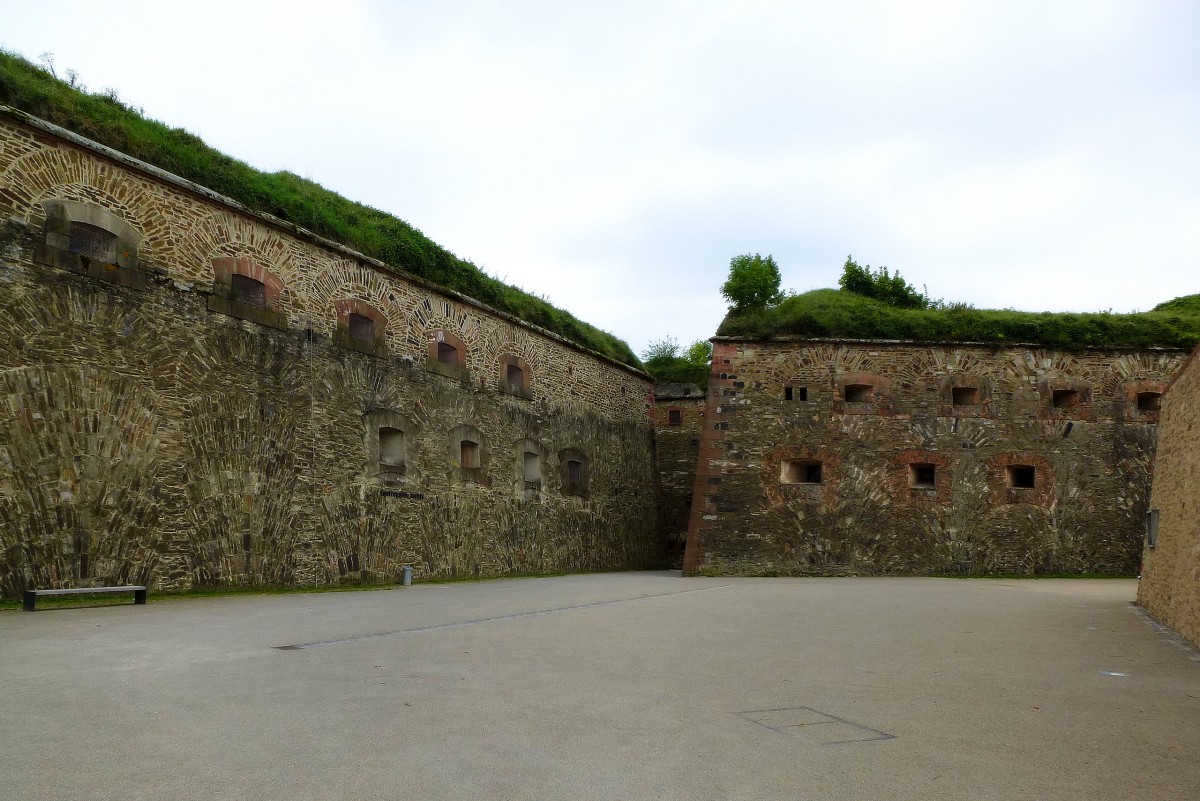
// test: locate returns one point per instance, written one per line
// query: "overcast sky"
(614, 156)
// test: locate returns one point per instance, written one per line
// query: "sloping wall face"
(679, 414)
(833, 458)
(1170, 585)
(192, 396)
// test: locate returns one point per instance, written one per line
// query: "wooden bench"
(139, 593)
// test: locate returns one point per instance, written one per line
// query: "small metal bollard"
(407, 580)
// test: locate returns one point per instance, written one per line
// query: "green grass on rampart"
(841, 314)
(105, 119)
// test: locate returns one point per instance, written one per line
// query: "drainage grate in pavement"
(814, 726)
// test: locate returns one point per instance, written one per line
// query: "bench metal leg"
(30, 600)
(139, 596)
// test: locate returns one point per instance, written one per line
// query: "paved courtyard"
(620, 686)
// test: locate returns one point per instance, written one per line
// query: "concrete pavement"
(613, 686)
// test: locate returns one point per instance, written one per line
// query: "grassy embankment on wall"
(105, 119)
(844, 314)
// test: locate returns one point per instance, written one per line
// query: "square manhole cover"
(814, 726)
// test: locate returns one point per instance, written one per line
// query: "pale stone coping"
(160, 174)
(909, 343)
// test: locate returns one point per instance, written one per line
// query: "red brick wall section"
(778, 492)
(723, 385)
(999, 493)
(905, 493)
(1134, 388)
(983, 409)
(1081, 407)
(879, 403)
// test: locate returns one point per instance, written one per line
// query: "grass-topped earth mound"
(105, 119)
(841, 313)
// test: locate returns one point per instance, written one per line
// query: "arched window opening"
(1065, 398)
(248, 290)
(391, 447)
(390, 437)
(93, 242)
(90, 240)
(859, 393)
(531, 464)
(515, 377)
(361, 326)
(469, 455)
(964, 396)
(574, 473)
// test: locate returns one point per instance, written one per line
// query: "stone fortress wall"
(194, 395)
(1170, 585)
(852, 457)
(678, 417)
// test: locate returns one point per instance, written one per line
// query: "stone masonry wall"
(1170, 585)
(156, 429)
(679, 416)
(896, 458)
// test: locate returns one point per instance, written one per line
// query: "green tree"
(661, 349)
(664, 361)
(699, 353)
(882, 286)
(753, 283)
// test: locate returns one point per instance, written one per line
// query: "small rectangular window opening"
(574, 478)
(787, 393)
(1149, 401)
(391, 447)
(674, 417)
(922, 476)
(859, 393)
(515, 377)
(1065, 398)
(1152, 528)
(532, 467)
(1021, 476)
(361, 326)
(93, 242)
(469, 454)
(800, 471)
(802, 393)
(447, 354)
(248, 291)
(965, 396)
